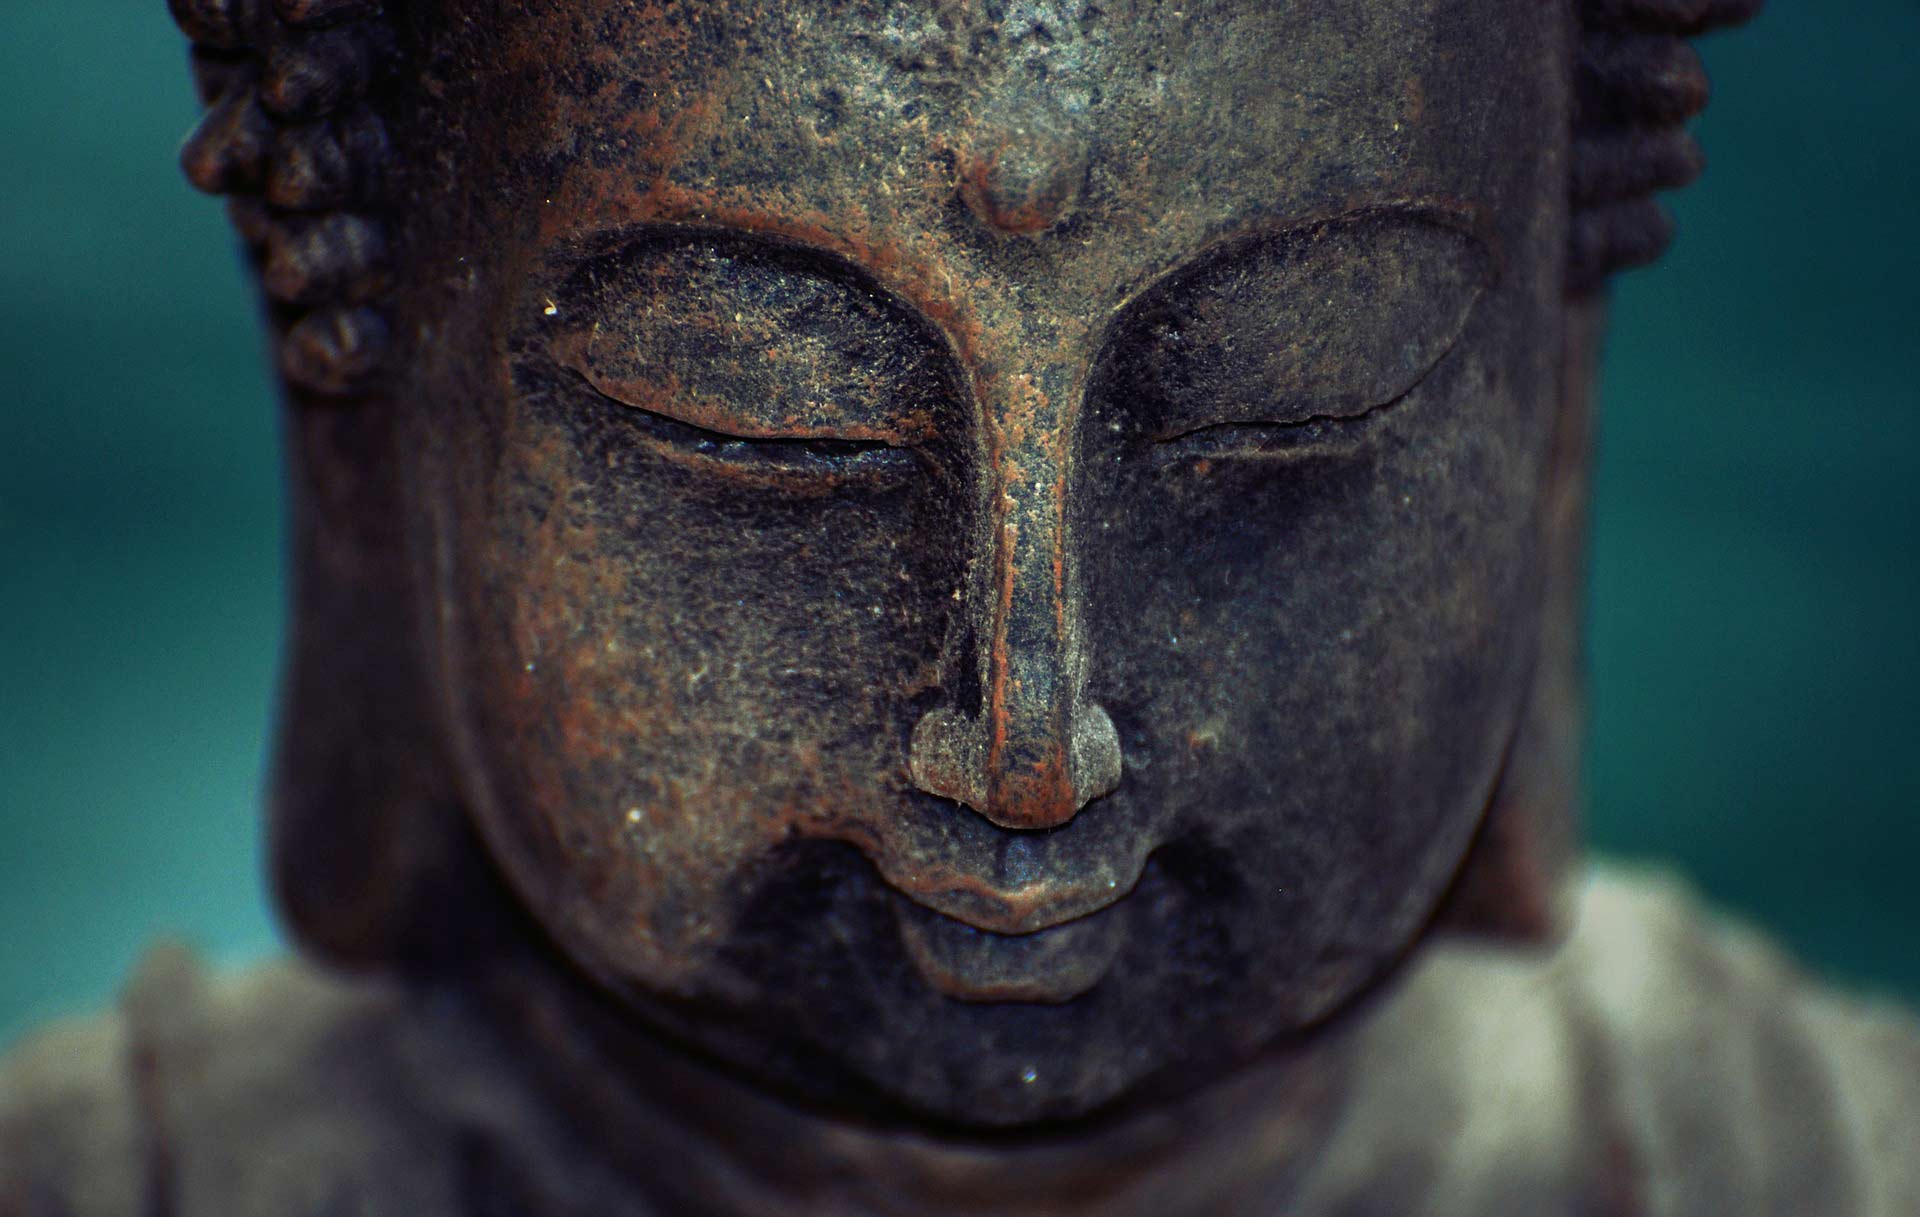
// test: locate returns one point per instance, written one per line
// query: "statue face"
(986, 560)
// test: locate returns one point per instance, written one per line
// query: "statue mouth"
(1051, 965)
(1020, 935)
(1025, 894)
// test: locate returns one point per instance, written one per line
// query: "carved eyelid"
(1325, 323)
(752, 340)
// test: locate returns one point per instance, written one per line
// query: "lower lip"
(1048, 966)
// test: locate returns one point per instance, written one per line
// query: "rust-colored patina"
(979, 564)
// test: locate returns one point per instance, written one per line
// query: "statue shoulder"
(69, 1136)
(268, 1091)
(1663, 1062)
(1739, 1083)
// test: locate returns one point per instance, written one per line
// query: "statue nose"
(1030, 765)
(1036, 750)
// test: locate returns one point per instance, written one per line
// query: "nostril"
(1095, 755)
(947, 757)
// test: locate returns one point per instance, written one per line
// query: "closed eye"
(1299, 344)
(720, 350)
(676, 437)
(1317, 435)
(1320, 435)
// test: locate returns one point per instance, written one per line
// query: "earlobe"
(1513, 884)
(370, 854)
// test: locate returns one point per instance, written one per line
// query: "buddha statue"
(950, 607)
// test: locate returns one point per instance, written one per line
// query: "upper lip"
(977, 901)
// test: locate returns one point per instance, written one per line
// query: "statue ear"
(372, 860)
(1513, 882)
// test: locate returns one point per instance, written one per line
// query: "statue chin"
(834, 990)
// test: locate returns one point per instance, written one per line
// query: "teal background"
(1754, 648)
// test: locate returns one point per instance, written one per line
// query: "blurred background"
(1755, 663)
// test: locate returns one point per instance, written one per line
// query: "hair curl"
(294, 136)
(1636, 83)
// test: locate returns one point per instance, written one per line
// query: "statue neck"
(668, 1133)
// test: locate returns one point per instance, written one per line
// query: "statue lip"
(978, 903)
(1049, 966)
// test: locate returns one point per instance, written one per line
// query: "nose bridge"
(1029, 618)
(1037, 751)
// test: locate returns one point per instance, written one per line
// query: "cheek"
(1320, 664)
(574, 707)
(663, 674)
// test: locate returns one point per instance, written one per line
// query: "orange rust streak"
(1020, 414)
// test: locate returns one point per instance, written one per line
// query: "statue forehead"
(855, 127)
